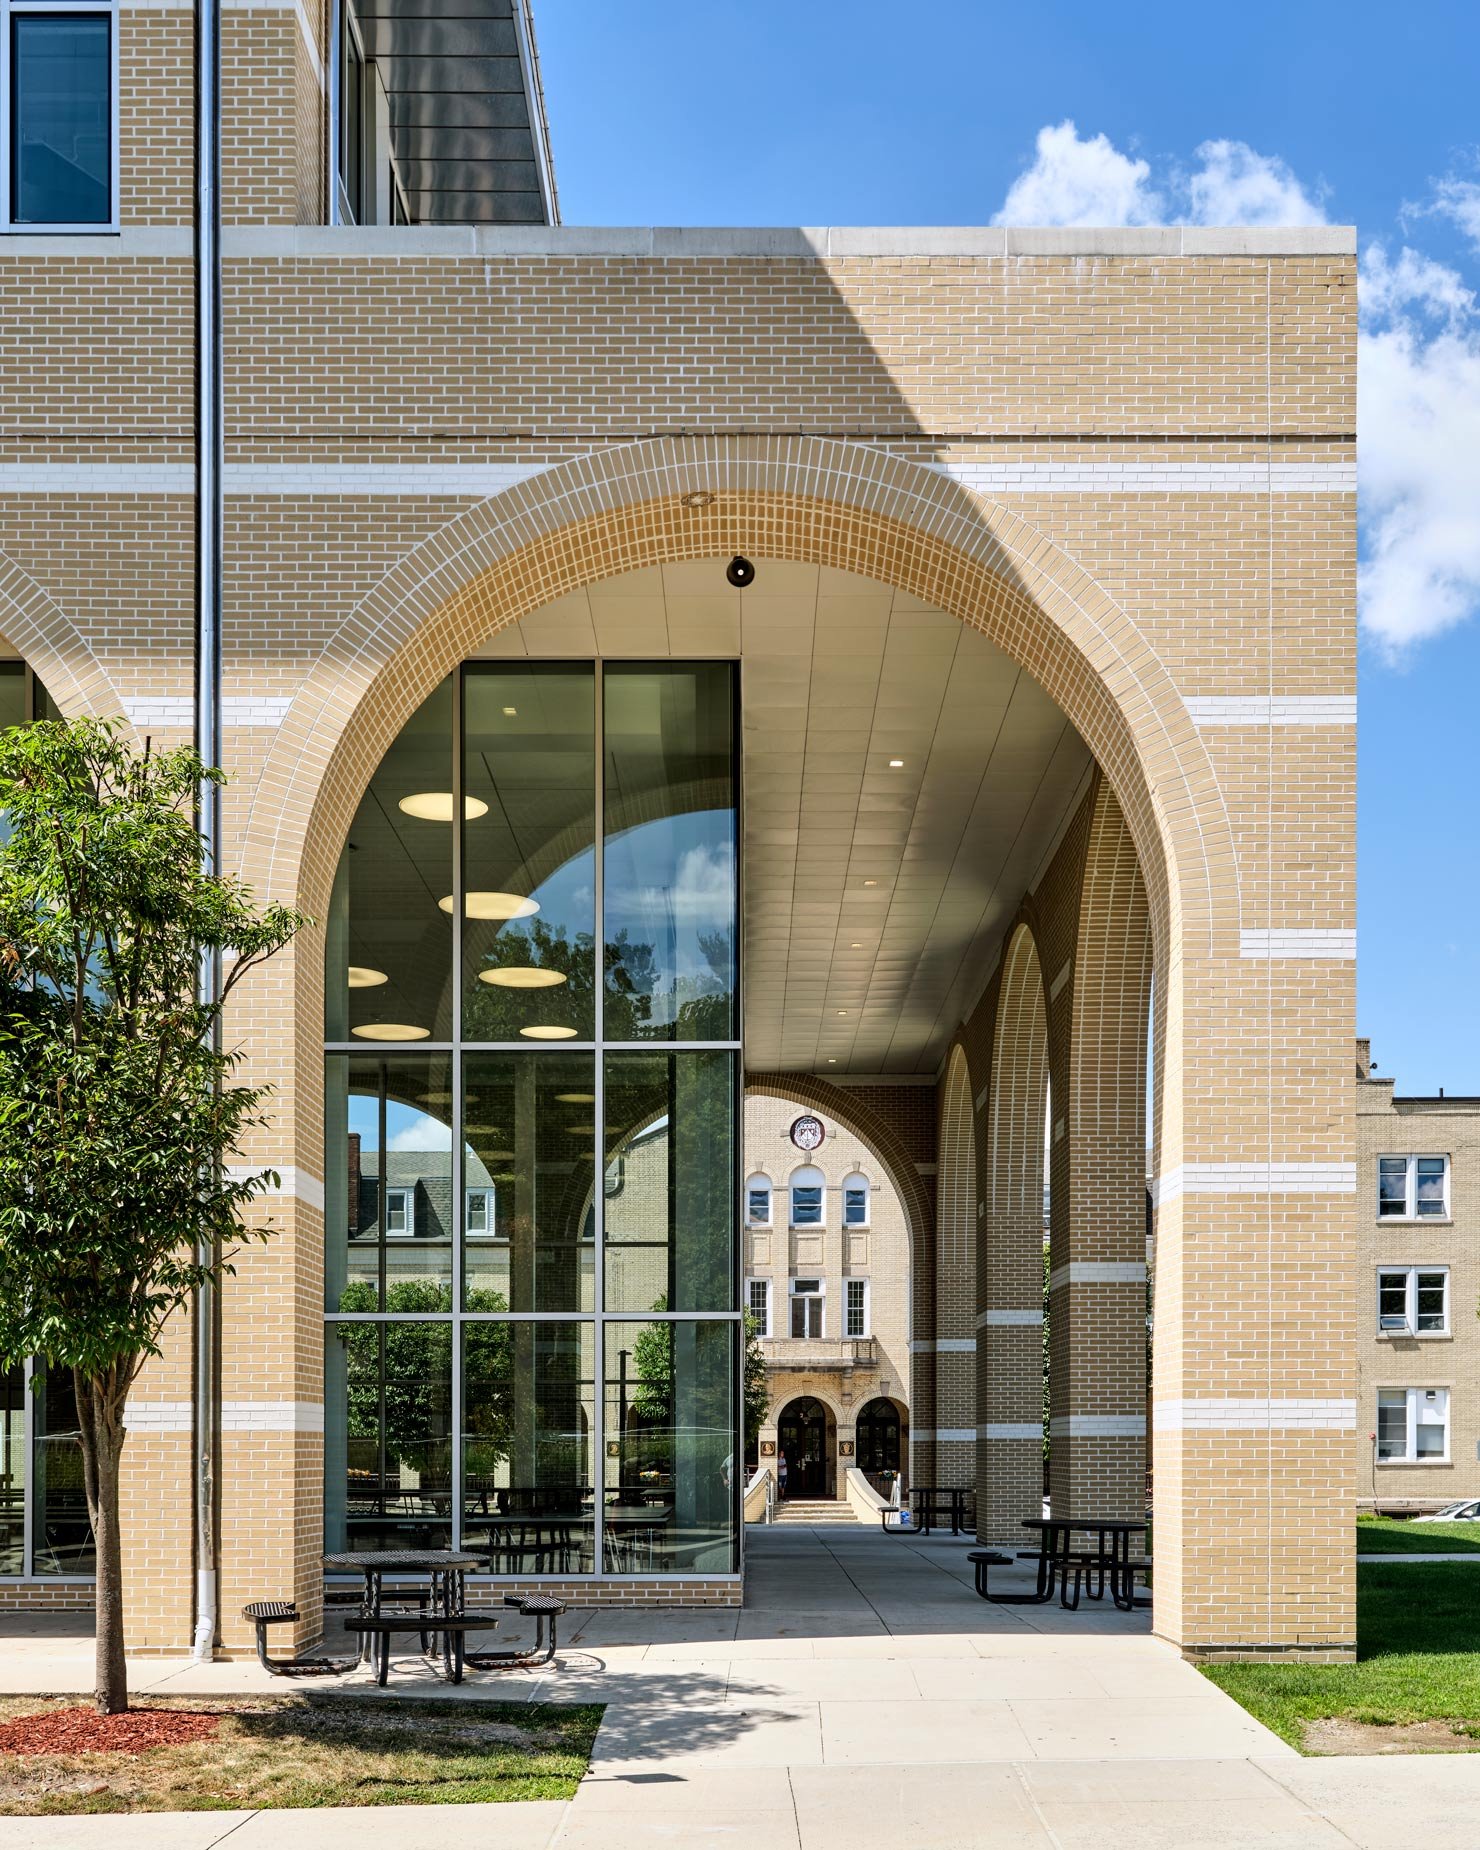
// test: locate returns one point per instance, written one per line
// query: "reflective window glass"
(61, 118)
(1429, 1290)
(1392, 1300)
(13, 1470)
(529, 830)
(1430, 1191)
(671, 1464)
(388, 1435)
(1392, 1423)
(63, 1541)
(670, 1181)
(529, 1137)
(388, 942)
(528, 1425)
(670, 854)
(1392, 1185)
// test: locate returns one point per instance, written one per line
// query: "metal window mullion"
(598, 998)
(7, 120)
(458, 1209)
(28, 1491)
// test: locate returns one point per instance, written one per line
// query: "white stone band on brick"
(964, 1435)
(1098, 1426)
(1273, 709)
(1011, 1429)
(1098, 1272)
(264, 710)
(1007, 1319)
(299, 1183)
(176, 712)
(272, 1416)
(1254, 1415)
(97, 479)
(1255, 1179)
(471, 481)
(945, 1345)
(158, 1416)
(1149, 478)
(1298, 942)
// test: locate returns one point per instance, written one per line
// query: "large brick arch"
(812, 500)
(53, 647)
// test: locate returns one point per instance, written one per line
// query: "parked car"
(1469, 1511)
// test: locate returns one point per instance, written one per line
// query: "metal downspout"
(208, 519)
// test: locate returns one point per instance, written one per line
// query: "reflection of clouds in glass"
(421, 1133)
(702, 893)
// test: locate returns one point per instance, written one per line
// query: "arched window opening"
(808, 1198)
(758, 1201)
(856, 1201)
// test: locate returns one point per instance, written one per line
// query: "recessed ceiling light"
(842, 1011)
(522, 976)
(546, 1033)
(575, 1098)
(511, 712)
(896, 764)
(436, 806)
(390, 1031)
(831, 1061)
(361, 976)
(581, 1130)
(494, 906)
(866, 883)
(856, 945)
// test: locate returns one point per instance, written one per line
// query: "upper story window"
(855, 1201)
(1413, 1300)
(400, 1213)
(808, 1307)
(1412, 1426)
(856, 1311)
(58, 81)
(808, 1193)
(758, 1201)
(1413, 1188)
(479, 1219)
(758, 1303)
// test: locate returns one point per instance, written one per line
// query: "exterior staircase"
(814, 1509)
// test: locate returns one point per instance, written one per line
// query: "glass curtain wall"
(533, 1088)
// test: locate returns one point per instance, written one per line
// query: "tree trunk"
(100, 1402)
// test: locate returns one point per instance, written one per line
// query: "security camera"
(740, 572)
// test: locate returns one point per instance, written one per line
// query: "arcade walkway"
(863, 1695)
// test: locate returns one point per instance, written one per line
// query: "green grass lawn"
(1381, 1535)
(1418, 1647)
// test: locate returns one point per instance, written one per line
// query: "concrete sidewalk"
(863, 1695)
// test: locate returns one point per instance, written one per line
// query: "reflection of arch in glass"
(807, 1188)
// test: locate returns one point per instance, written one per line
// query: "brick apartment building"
(1040, 689)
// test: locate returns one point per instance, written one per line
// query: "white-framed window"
(808, 1307)
(1413, 1300)
(480, 1219)
(758, 1303)
(59, 113)
(1413, 1426)
(808, 1198)
(856, 1309)
(1413, 1188)
(758, 1201)
(855, 1201)
(400, 1213)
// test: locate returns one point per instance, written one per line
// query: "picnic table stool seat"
(981, 1560)
(265, 1612)
(545, 1609)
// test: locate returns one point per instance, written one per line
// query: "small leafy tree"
(117, 1115)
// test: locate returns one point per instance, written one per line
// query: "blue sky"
(851, 112)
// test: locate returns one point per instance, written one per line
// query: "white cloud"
(422, 1135)
(1075, 181)
(1418, 379)
(1237, 186)
(1458, 201)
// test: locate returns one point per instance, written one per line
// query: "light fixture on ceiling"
(547, 1033)
(575, 1098)
(856, 945)
(361, 976)
(494, 906)
(436, 806)
(522, 976)
(842, 1011)
(581, 1130)
(390, 1031)
(831, 1061)
(870, 883)
(896, 764)
(698, 497)
(511, 712)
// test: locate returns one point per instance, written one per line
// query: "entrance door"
(802, 1434)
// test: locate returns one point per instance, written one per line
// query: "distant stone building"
(1418, 1287)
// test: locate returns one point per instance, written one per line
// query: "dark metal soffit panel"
(467, 119)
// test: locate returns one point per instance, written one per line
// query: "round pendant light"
(522, 976)
(436, 806)
(361, 976)
(548, 1034)
(494, 906)
(390, 1031)
(575, 1098)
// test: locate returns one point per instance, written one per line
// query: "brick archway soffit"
(53, 647)
(1016, 1103)
(815, 500)
(871, 1130)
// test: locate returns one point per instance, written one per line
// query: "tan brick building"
(1418, 1290)
(1044, 712)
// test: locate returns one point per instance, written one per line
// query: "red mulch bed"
(83, 1731)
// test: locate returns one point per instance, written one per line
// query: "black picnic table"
(1109, 1562)
(445, 1568)
(936, 1500)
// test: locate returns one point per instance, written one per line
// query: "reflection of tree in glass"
(417, 1385)
(494, 1013)
(631, 978)
(653, 1389)
(645, 1001)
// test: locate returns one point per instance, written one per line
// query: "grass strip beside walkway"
(1418, 1649)
(308, 1750)
(1381, 1535)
